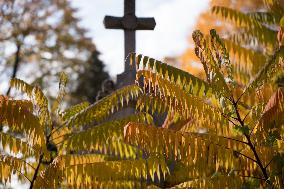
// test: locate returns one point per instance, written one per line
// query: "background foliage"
(39, 39)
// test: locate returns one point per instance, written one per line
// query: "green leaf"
(281, 23)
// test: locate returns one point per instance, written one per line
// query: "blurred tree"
(43, 37)
(207, 20)
(256, 38)
(90, 80)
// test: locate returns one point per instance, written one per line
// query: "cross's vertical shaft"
(129, 23)
(129, 34)
(129, 47)
(129, 7)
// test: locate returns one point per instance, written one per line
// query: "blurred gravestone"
(129, 23)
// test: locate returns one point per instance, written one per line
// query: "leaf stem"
(246, 156)
(251, 177)
(269, 163)
(235, 140)
(23, 175)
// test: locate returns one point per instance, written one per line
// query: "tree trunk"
(16, 65)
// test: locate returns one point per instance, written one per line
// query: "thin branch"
(240, 97)
(225, 116)
(246, 156)
(269, 163)
(36, 171)
(246, 116)
(23, 175)
(234, 118)
(204, 134)
(235, 140)
(229, 98)
(200, 135)
(15, 66)
(252, 147)
(27, 163)
(252, 177)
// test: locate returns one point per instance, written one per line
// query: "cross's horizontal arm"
(112, 22)
(146, 24)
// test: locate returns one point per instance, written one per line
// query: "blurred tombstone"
(129, 23)
(108, 87)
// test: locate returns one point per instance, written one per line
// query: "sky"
(175, 21)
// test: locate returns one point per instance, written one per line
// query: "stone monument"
(129, 23)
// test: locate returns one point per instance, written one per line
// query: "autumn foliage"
(223, 129)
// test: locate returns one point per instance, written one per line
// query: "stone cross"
(129, 23)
